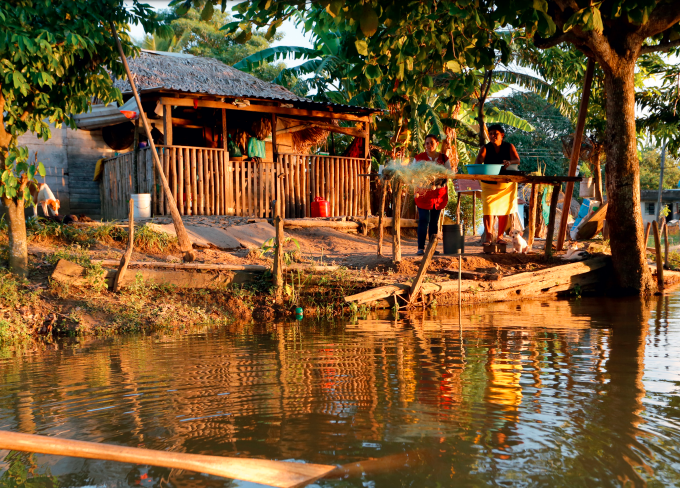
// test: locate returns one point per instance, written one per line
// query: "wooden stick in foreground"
(425, 263)
(125, 260)
(659, 263)
(273, 473)
(182, 236)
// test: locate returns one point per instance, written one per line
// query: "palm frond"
(493, 114)
(270, 54)
(538, 86)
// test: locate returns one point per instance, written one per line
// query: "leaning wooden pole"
(649, 226)
(182, 236)
(424, 264)
(381, 217)
(659, 259)
(278, 248)
(125, 260)
(576, 150)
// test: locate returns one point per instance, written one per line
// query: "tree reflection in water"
(556, 393)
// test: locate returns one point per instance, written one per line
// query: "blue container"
(484, 169)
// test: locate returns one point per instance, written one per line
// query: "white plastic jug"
(142, 205)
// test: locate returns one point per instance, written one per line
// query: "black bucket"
(454, 242)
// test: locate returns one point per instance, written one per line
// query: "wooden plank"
(125, 260)
(273, 473)
(422, 270)
(531, 284)
(180, 182)
(225, 138)
(532, 216)
(576, 149)
(201, 182)
(254, 268)
(260, 189)
(551, 220)
(367, 189)
(244, 205)
(194, 189)
(278, 250)
(189, 102)
(167, 125)
(659, 263)
(174, 164)
(298, 186)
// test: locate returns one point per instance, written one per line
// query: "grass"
(19, 308)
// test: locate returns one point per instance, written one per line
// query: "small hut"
(229, 143)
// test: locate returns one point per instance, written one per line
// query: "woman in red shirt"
(433, 199)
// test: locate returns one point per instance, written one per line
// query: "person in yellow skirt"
(498, 199)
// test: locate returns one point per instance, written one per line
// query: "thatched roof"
(194, 74)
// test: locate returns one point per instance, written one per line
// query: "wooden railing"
(335, 179)
(205, 182)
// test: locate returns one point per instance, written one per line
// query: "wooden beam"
(294, 128)
(187, 102)
(576, 150)
(167, 125)
(531, 225)
(224, 130)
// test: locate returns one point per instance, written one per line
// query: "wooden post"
(278, 248)
(649, 226)
(474, 214)
(531, 225)
(551, 220)
(665, 244)
(125, 260)
(225, 135)
(135, 158)
(194, 188)
(396, 225)
(424, 264)
(381, 217)
(659, 262)
(576, 150)
(458, 209)
(182, 236)
(167, 124)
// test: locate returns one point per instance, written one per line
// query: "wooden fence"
(205, 182)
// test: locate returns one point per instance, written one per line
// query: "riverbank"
(324, 267)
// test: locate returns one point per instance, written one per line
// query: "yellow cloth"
(98, 170)
(499, 199)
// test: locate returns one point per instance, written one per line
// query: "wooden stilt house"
(202, 108)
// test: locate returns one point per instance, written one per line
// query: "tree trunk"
(624, 215)
(597, 173)
(18, 248)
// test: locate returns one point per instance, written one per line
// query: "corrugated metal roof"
(194, 74)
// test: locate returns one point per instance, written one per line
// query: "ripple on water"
(556, 393)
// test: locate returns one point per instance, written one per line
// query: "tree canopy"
(192, 34)
(54, 58)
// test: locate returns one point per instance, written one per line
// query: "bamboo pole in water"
(273, 473)
(659, 263)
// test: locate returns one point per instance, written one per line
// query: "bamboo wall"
(205, 182)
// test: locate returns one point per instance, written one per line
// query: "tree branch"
(659, 47)
(661, 18)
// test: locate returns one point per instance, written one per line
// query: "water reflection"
(556, 393)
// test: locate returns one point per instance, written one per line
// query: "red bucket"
(320, 208)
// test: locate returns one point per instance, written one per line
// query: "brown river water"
(582, 392)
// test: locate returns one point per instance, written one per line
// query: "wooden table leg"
(532, 216)
(458, 209)
(474, 213)
(551, 220)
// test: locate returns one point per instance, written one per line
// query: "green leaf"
(454, 66)
(373, 72)
(41, 170)
(362, 47)
(243, 37)
(334, 7)
(369, 20)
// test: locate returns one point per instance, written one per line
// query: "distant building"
(648, 202)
